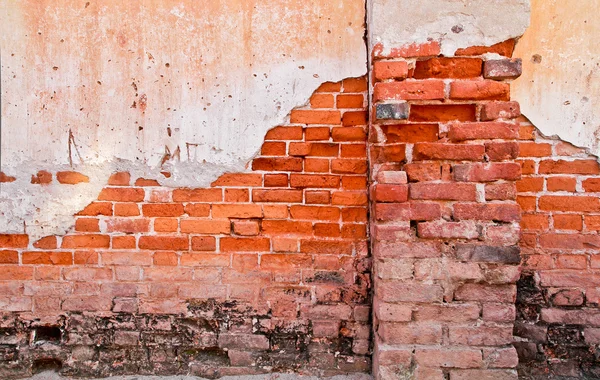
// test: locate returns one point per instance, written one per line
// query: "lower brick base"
(211, 340)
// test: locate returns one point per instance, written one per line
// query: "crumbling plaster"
(454, 23)
(559, 90)
(187, 86)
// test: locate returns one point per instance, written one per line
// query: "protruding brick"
(500, 69)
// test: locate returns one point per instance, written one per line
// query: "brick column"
(444, 221)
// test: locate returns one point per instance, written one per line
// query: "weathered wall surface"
(560, 87)
(193, 84)
(455, 24)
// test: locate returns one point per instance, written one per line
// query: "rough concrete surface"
(190, 87)
(456, 24)
(559, 90)
(49, 375)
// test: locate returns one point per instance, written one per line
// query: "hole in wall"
(43, 365)
(47, 334)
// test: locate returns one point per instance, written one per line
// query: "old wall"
(261, 271)
(103, 86)
(560, 84)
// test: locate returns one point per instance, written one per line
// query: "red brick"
(317, 197)
(530, 184)
(503, 212)
(412, 211)
(87, 274)
(443, 67)
(348, 166)
(322, 101)
(500, 110)
(354, 182)
(527, 203)
(197, 195)
(123, 242)
(390, 193)
(276, 180)
(500, 191)
(327, 230)
(284, 133)
(166, 225)
(535, 222)
(501, 151)
(355, 84)
(349, 198)
(14, 240)
(315, 213)
(246, 227)
(569, 167)
(350, 101)
(87, 225)
(71, 178)
(286, 227)
(231, 244)
(410, 132)
(237, 195)
(561, 184)
(205, 260)
(197, 209)
(121, 194)
(4, 178)
(86, 241)
(444, 191)
(317, 133)
(411, 333)
(314, 181)
(502, 69)
(237, 211)
(9, 257)
(388, 153)
(126, 209)
(284, 196)
(164, 243)
(390, 70)
(315, 117)
(241, 179)
(162, 209)
(96, 209)
(204, 243)
(326, 247)
(292, 164)
(433, 151)
(479, 90)
(41, 178)
(483, 130)
(314, 149)
(569, 203)
(504, 48)
(119, 179)
(489, 172)
(127, 225)
(568, 222)
(442, 112)
(146, 182)
(285, 261)
(354, 118)
(423, 172)
(486, 293)
(127, 258)
(316, 165)
(200, 226)
(273, 149)
(47, 242)
(348, 134)
(431, 89)
(353, 151)
(448, 230)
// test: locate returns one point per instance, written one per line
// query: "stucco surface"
(455, 23)
(185, 86)
(559, 90)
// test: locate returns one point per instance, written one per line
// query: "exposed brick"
(390, 70)
(504, 48)
(479, 90)
(71, 178)
(409, 90)
(500, 69)
(442, 112)
(315, 117)
(443, 191)
(410, 132)
(42, 177)
(500, 110)
(569, 167)
(487, 172)
(433, 151)
(446, 67)
(487, 130)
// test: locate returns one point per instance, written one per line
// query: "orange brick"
(241, 179)
(246, 227)
(237, 195)
(199, 226)
(317, 133)
(126, 209)
(96, 209)
(119, 179)
(197, 209)
(86, 241)
(47, 258)
(273, 149)
(162, 209)
(561, 184)
(164, 243)
(276, 180)
(285, 196)
(71, 178)
(354, 84)
(48, 242)
(9, 257)
(165, 258)
(121, 194)
(87, 225)
(231, 244)
(204, 243)
(197, 195)
(315, 213)
(166, 225)
(285, 261)
(322, 101)
(350, 101)
(567, 222)
(123, 242)
(315, 117)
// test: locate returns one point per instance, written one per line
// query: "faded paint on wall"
(195, 83)
(455, 23)
(559, 90)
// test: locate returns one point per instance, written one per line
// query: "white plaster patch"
(455, 23)
(559, 90)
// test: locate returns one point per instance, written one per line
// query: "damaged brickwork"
(445, 231)
(558, 322)
(267, 270)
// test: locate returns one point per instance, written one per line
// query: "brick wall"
(266, 270)
(558, 327)
(445, 230)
